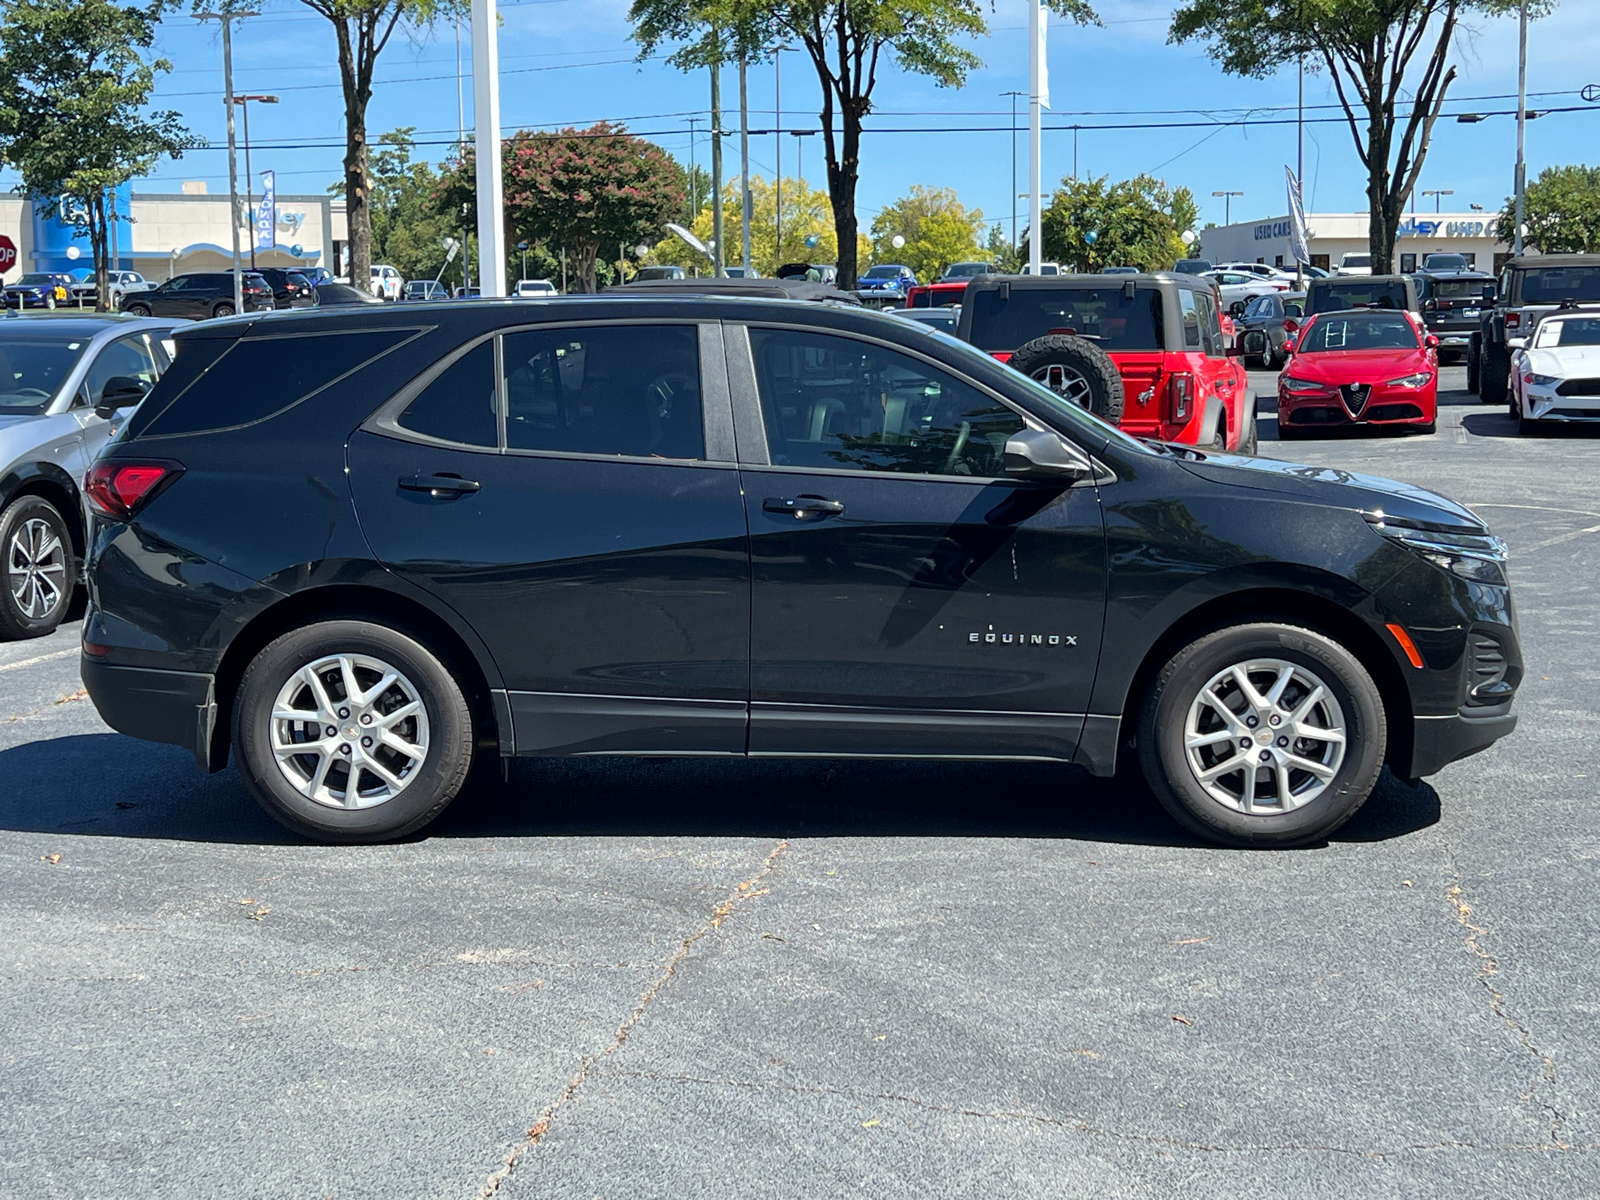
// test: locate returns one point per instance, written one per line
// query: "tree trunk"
(843, 174)
(97, 248)
(1382, 226)
(357, 198)
(583, 256)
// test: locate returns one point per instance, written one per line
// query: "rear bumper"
(1439, 741)
(174, 707)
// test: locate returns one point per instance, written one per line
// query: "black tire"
(139, 310)
(29, 528)
(1250, 444)
(421, 797)
(1103, 385)
(1528, 428)
(223, 310)
(1473, 364)
(50, 302)
(1165, 714)
(1494, 374)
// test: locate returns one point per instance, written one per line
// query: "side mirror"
(1040, 454)
(1237, 308)
(1431, 342)
(121, 391)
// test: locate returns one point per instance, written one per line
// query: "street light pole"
(1522, 123)
(249, 177)
(227, 19)
(1436, 193)
(716, 163)
(1227, 205)
(744, 164)
(1014, 94)
(486, 122)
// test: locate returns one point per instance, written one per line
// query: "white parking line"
(28, 662)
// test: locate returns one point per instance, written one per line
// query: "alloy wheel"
(36, 569)
(1065, 382)
(1265, 737)
(349, 731)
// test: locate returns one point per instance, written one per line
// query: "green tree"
(806, 213)
(1381, 55)
(74, 86)
(1135, 223)
(846, 40)
(1561, 210)
(1002, 253)
(588, 191)
(937, 230)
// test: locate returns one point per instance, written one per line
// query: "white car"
(1045, 268)
(534, 287)
(1555, 373)
(118, 283)
(1241, 287)
(1270, 273)
(387, 283)
(1354, 264)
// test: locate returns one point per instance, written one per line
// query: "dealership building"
(1331, 236)
(162, 235)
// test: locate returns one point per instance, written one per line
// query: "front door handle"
(801, 507)
(438, 486)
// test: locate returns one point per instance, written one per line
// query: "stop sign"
(8, 254)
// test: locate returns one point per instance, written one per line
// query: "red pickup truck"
(1143, 352)
(936, 295)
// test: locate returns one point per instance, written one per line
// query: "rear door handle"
(438, 486)
(801, 507)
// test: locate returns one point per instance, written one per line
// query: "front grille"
(1316, 416)
(1393, 412)
(1579, 387)
(1575, 414)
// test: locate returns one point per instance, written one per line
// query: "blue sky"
(571, 62)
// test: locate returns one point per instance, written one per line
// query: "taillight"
(120, 487)
(1513, 320)
(1180, 398)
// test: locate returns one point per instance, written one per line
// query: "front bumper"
(1545, 404)
(1439, 741)
(175, 707)
(1327, 412)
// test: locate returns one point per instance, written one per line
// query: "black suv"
(1339, 292)
(358, 548)
(1529, 287)
(290, 289)
(199, 295)
(1451, 305)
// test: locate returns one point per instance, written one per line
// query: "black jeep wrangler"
(1529, 287)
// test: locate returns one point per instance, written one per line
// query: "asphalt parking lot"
(677, 978)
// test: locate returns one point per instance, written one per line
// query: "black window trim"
(752, 426)
(715, 419)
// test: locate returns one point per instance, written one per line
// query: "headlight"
(1420, 379)
(1292, 384)
(1480, 557)
(1541, 380)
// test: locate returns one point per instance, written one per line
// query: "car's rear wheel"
(139, 310)
(350, 732)
(223, 310)
(38, 568)
(1249, 444)
(1262, 735)
(1473, 364)
(1076, 370)
(1494, 374)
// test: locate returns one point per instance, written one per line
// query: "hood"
(1339, 489)
(1567, 356)
(1357, 366)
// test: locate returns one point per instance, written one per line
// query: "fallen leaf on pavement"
(870, 1124)
(1191, 941)
(52, 859)
(260, 914)
(1181, 1020)
(772, 937)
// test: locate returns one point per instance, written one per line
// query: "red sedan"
(1366, 367)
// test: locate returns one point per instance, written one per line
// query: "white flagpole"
(486, 127)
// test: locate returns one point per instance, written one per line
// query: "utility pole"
(486, 122)
(249, 196)
(744, 165)
(1015, 241)
(461, 152)
(227, 19)
(1038, 99)
(716, 163)
(694, 191)
(777, 141)
(1522, 124)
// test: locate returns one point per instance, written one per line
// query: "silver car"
(66, 385)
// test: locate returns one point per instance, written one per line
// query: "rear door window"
(1106, 316)
(631, 390)
(836, 402)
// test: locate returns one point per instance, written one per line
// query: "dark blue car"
(887, 279)
(39, 290)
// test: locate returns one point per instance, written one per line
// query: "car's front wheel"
(1262, 735)
(139, 310)
(1473, 364)
(38, 568)
(347, 731)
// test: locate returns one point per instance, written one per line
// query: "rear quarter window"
(252, 379)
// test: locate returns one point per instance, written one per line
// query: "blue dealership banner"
(267, 214)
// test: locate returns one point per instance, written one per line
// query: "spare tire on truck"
(1075, 369)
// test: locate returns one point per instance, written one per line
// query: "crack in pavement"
(1487, 968)
(1080, 1125)
(536, 1132)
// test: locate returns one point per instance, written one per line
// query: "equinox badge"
(1022, 639)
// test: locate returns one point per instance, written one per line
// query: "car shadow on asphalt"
(107, 785)
(1497, 422)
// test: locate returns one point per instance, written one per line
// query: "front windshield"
(1358, 331)
(32, 369)
(966, 270)
(882, 273)
(1570, 331)
(1357, 260)
(1445, 262)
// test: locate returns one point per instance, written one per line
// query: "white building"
(1333, 235)
(162, 235)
